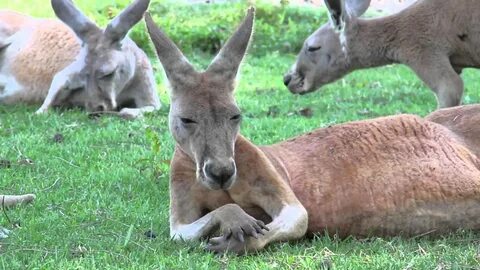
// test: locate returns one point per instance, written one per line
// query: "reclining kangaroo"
(76, 64)
(387, 176)
(435, 38)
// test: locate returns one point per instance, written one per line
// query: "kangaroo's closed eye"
(105, 75)
(187, 121)
(313, 48)
(236, 117)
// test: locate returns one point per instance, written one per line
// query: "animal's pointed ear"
(228, 60)
(175, 64)
(357, 7)
(337, 13)
(74, 18)
(118, 28)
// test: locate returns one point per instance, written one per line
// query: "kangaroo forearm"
(193, 231)
(290, 224)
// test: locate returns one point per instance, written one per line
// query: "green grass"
(106, 184)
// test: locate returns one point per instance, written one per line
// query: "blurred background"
(204, 24)
(379, 5)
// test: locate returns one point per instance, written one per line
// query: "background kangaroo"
(75, 63)
(387, 176)
(435, 38)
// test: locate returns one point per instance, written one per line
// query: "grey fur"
(435, 38)
(204, 118)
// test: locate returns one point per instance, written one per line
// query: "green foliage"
(205, 27)
(153, 163)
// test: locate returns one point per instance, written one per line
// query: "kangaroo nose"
(286, 79)
(100, 108)
(220, 173)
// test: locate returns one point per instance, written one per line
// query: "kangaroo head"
(323, 58)
(204, 117)
(107, 59)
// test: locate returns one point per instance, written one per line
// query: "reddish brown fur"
(464, 121)
(386, 176)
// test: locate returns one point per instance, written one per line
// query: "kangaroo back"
(464, 121)
(34, 53)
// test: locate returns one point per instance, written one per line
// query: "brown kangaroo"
(387, 176)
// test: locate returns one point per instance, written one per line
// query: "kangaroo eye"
(236, 117)
(187, 121)
(105, 74)
(313, 48)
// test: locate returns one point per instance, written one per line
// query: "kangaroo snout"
(101, 106)
(222, 173)
(286, 79)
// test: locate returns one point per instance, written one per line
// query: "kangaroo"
(387, 176)
(10, 23)
(435, 38)
(74, 63)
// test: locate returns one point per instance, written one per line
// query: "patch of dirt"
(5, 163)
(150, 234)
(273, 111)
(306, 112)
(58, 138)
(78, 251)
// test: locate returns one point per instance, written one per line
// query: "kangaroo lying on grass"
(76, 64)
(435, 38)
(386, 176)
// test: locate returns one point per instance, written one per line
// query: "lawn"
(102, 183)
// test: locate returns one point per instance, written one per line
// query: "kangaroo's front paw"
(235, 223)
(41, 111)
(242, 227)
(222, 244)
(130, 113)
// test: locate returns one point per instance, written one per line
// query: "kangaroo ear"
(176, 66)
(357, 7)
(337, 13)
(118, 28)
(74, 18)
(228, 60)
